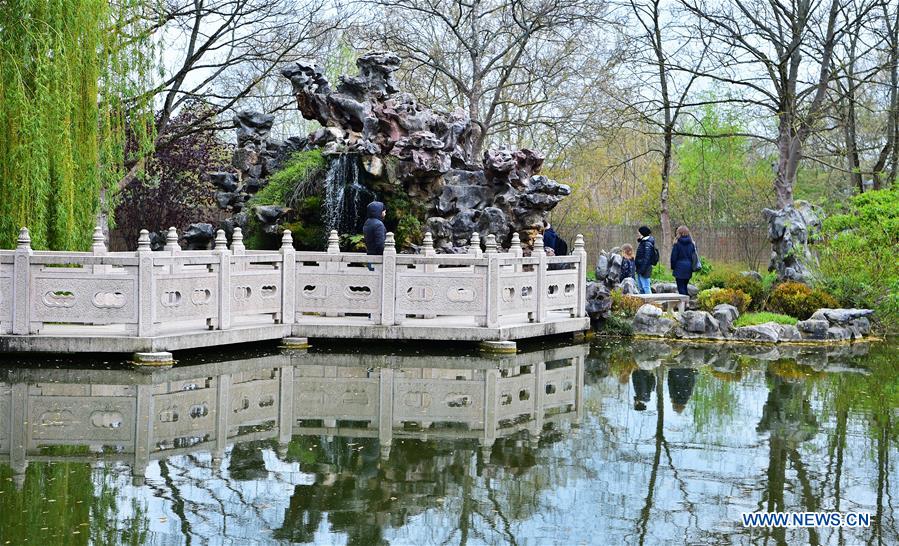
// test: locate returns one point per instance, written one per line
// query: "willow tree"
(67, 68)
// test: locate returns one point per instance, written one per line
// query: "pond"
(603, 443)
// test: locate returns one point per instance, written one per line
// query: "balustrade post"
(385, 410)
(21, 285)
(146, 298)
(144, 415)
(172, 247)
(516, 250)
(474, 246)
(333, 266)
(540, 253)
(388, 281)
(581, 252)
(98, 248)
(224, 279)
(288, 279)
(492, 283)
(427, 247)
(491, 378)
(222, 409)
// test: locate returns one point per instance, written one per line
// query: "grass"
(751, 319)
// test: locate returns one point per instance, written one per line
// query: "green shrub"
(857, 257)
(751, 319)
(615, 326)
(295, 181)
(750, 286)
(711, 297)
(661, 273)
(625, 305)
(798, 300)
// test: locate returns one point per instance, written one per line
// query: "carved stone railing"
(144, 293)
(142, 416)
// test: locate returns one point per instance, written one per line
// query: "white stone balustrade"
(145, 294)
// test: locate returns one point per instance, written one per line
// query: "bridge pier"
(160, 359)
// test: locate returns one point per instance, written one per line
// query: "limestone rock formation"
(368, 115)
(649, 321)
(791, 230)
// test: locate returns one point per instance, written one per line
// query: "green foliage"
(296, 181)
(661, 273)
(750, 286)
(406, 216)
(352, 243)
(798, 300)
(711, 297)
(751, 319)
(625, 305)
(66, 68)
(616, 325)
(857, 259)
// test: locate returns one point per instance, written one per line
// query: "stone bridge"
(174, 299)
(138, 417)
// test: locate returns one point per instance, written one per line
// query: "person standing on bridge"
(373, 230)
(684, 260)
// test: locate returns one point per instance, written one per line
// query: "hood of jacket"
(684, 242)
(648, 238)
(374, 209)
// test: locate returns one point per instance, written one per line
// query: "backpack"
(654, 259)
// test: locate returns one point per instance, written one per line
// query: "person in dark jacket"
(682, 253)
(550, 238)
(373, 230)
(627, 262)
(643, 263)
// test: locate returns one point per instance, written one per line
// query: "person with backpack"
(647, 257)
(684, 259)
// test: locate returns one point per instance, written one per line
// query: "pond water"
(609, 443)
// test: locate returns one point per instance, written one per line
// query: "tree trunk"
(849, 134)
(664, 217)
(789, 151)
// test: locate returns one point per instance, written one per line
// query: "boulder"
(790, 231)
(199, 236)
(599, 300)
(649, 321)
(671, 288)
(725, 314)
(629, 286)
(839, 333)
(763, 333)
(841, 316)
(813, 329)
(753, 274)
(786, 332)
(224, 180)
(699, 322)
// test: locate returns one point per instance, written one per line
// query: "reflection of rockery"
(345, 196)
(791, 230)
(367, 114)
(142, 417)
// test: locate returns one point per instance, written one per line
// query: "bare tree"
(777, 56)
(495, 58)
(224, 54)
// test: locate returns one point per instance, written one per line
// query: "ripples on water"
(615, 443)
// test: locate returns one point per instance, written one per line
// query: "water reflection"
(638, 443)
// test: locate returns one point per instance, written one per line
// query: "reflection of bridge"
(119, 414)
(103, 301)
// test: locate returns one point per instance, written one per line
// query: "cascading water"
(345, 196)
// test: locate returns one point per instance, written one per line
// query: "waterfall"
(345, 196)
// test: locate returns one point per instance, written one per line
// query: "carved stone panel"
(561, 289)
(81, 297)
(254, 292)
(186, 296)
(354, 399)
(440, 293)
(518, 293)
(445, 400)
(346, 291)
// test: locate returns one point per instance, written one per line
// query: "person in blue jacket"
(646, 252)
(682, 259)
(373, 229)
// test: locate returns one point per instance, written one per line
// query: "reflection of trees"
(59, 503)
(360, 493)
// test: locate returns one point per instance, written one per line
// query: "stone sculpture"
(790, 230)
